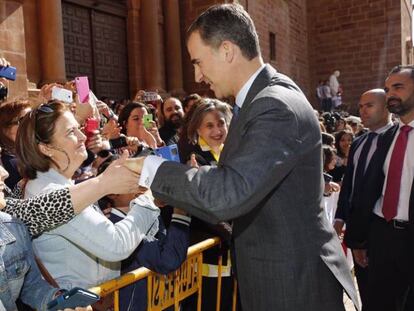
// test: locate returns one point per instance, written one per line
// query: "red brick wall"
(406, 35)
(287, 19)
(12, 44)
(361, 38)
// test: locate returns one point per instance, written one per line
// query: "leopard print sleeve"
(42, 212)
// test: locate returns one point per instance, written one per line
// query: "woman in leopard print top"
(47, 211)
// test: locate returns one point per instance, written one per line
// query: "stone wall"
(12, 44)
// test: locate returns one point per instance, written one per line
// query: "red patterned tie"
(392, 191)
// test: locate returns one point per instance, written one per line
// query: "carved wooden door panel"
(110, 55)
(78, 42)
(95, 46)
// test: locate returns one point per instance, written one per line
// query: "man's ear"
(228, 48)
(45, 150)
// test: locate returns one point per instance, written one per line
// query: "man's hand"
(118, 179)
(135, 164)
(360, 256)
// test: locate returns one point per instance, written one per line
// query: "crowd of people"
(275, 185)
(329, 93)
(47, 150)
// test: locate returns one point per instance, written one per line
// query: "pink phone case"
(82, 87)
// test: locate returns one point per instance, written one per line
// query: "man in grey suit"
(269, 177)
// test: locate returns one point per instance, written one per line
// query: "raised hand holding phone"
(91, 128)
(147, 120)
(82, 88)
(8, 72)
(62, 95)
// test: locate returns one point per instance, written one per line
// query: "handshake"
(135, 164)
(125, 172)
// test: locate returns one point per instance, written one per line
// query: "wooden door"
(95, 46)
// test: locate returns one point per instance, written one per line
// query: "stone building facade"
(127, 45)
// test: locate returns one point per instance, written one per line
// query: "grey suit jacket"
(269, 182)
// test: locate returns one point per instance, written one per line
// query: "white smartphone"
(62, 95)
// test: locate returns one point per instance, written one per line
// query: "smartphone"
(62, 94)
(118, 142)
(169, 153)
(147, 119)
(151, 98)
(8, 72)
(327, 178)
(82, 87)
(76, 297)
(91, 125)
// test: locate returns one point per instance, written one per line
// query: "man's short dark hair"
(227, 22)
(399, 68)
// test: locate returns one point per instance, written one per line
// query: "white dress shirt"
(406, 177)
(152, 163)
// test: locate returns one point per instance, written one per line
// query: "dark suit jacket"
(344, 200)
(361, 214)
(269, 181)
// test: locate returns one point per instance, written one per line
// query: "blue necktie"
(362, 161)
(236, 110)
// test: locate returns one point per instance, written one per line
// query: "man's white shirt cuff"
(149, 169)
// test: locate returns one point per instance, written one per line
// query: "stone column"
(173, 56)
(152, 47)
(134, 51)
(51, 48)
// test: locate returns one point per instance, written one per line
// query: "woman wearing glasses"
(41, 213)
(50, 147)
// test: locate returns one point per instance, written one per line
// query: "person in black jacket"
(376, 117)
(206, 131)
(380, 224)
(162, 251)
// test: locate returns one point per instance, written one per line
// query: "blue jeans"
(19, 274)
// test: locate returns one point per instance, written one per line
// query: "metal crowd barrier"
(164, 291)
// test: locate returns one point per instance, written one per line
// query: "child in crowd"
(161, 251)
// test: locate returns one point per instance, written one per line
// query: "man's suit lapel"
(261, 81)
(385, 141)
(411, 205)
